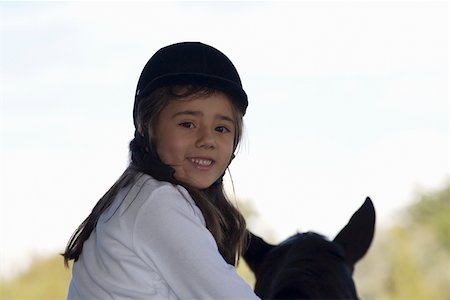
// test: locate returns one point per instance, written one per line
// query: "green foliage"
(411, 260)
(45, 279)
(407, 276)
(245, 272)
(433, 211)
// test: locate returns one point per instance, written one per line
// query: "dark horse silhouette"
(308, 266)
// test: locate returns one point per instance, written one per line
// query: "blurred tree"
(411, 260)
(433, 211)
(248, 210)
(46, 278)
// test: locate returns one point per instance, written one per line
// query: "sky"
(346, 100)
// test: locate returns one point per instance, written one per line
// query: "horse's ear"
(357, 235)
(256, 250)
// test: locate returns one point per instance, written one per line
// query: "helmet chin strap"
(220, 179)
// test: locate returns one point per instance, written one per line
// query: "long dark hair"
(223, 220)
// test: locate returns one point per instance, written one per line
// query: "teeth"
(201, 162)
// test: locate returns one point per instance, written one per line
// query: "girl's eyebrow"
(199, 113)
(187, 112)
(225, 118)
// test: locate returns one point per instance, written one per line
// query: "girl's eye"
(222, 129)
(187, 125)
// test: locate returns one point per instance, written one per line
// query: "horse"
(308, 265)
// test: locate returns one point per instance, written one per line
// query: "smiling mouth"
(201, 162)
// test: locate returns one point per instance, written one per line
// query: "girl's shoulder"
(146, 192)
(145, 186)
(149, 191)
(160, 201)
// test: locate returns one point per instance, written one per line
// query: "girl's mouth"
(202, 162)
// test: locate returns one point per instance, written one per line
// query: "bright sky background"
(347, 99)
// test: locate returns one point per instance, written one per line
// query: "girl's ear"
(357, 235)
(256, 251)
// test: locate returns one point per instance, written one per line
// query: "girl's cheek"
(171, 153)
(163, 152)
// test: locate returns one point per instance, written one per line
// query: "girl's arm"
(170, 234)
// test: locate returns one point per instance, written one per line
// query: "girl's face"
(195, 137)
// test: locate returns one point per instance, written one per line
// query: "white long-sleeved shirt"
(152, 243)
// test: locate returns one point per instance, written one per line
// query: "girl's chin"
(198, 184)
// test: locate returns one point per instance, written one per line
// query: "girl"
(165, 229)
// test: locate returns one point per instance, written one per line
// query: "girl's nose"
(206, 139)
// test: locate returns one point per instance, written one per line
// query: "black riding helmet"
(191, 63)
(182, 63)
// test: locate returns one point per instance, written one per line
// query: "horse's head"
(308, 266)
